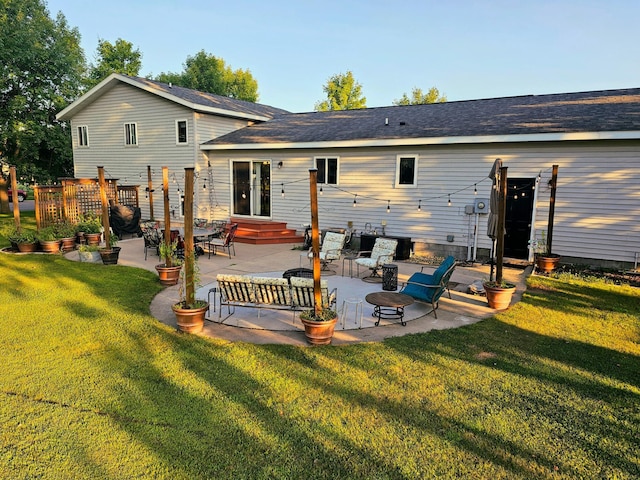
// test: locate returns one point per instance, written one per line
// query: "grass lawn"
(94, 387)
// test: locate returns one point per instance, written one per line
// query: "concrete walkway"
(462, 309)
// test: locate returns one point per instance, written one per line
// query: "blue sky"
(467, 49)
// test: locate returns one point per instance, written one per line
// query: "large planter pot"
(28, 247)
(92, 238)
(68, 244)
(50, 246)
(110, 256)
(499, 298)
(547, 263)
(168, 275)
(319, 333)
(189, 320)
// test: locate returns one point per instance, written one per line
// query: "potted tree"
(48, 239)
(546, 262)
(169, 271)
(110, 253)
(189, 311)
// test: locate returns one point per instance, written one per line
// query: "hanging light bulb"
(388, 206)
(419, 205)
(244, 195)
(282, 191)
(475, 189)
(354, 200)
(320, 189)
(449, 202)
(204, 185)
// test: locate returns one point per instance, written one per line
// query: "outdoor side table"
(389, 305)
(346, 304)
(389, 277)
(350, 259)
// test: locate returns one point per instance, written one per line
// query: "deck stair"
(263, 232)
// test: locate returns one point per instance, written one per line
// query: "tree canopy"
(419, 98)
(343, 93)
(208, 73)
(42, 66)
(114, 58)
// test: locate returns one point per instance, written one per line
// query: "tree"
(343, 93)
(41, 69)
(211, 74)
(114, 58)
(419, 98)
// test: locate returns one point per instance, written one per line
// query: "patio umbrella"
(494, 203)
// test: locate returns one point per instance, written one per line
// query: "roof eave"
(108, 82)
(399, 142)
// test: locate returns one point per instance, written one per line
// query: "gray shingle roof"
(599, 111)
(210, 100)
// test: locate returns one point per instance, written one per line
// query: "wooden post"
(167, 215)
(150, 190)
(14, 189)
(552, 208)
(315, 239)
(189, 257)
(105, 207)
(502, 213)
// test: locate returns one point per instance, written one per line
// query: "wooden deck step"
(263, 232)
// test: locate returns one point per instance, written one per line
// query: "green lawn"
(94, 387)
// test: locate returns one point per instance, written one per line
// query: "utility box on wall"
(481, 205)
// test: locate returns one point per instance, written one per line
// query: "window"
(327, 170)
(406, 171)
(130, 134)
(83, 136)
(181, 132)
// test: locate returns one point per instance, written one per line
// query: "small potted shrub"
(189, 311)
(169, 271)
(91, 228)
(66, 233)
(49, 242)
(110, 253)
(24, 240)
(319, 325)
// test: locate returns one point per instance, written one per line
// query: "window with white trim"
(181, 132)
(83, 136)
(327, 170)
(130, 134)
(407, 171)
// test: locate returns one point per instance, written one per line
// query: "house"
(417, 172)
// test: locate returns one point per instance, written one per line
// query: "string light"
(354, 200)
(419, 205)
(204, 184)
(449, 202)
(244, 195)
(320, 189)
(282, 191)
(388, 206)
(475, 189)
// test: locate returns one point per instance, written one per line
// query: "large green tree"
(208, 73)
(343, 93)
(41, 69)
(118, 57)
(419, 98)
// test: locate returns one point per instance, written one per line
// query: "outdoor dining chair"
(152, 238)
(225, 243)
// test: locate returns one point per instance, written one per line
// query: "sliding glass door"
(251, 187)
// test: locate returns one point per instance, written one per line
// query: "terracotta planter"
(110, 256)
(27, 247)
(168, 275)
(50, 246)
(68, 244)
(190, 320)
(319, 333)
(93, 238)
(547, 263)
(499, 298)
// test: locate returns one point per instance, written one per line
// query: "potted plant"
(91, 228)
(499, 294)
(169, 271)
(89, 253)
(49, 242)
(546, 262)
(24, 240)
(189, 311)
(66, 233)
(110, 253)
(319, 325)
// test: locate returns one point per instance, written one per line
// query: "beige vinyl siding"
(597, 211)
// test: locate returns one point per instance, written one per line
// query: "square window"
(327, 170)
(406, 171)
(181, 132)
(130, 134)
(83, 136)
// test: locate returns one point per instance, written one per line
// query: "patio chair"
(226, 242)
(331, 249)
(383, 251)
(152, 238)
(429, 288)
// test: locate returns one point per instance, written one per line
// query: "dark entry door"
(518, 217)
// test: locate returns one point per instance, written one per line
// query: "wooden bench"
(293, 294)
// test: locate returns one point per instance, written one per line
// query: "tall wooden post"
(150, 190)
(14, 189)
(315, 239)
(105, 206)
(502, 213)
(552, 208)
(189, 257)
(167, 214)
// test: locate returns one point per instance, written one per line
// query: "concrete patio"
(273, 326)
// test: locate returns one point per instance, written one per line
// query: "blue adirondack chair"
(429, 288)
